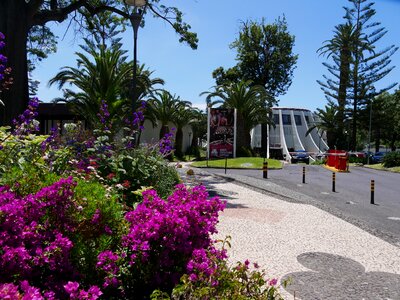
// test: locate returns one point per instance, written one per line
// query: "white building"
(289, 133)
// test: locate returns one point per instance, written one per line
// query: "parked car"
(300, 156)
(377, 158)
(357, 154)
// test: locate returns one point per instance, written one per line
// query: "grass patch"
(381, 167)
(239, 163)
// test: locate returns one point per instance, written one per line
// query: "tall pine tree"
(370, 64)
(356, 65)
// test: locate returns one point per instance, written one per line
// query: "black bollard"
(265, 170)
(304, 174)
(372, 191)
(333, 181)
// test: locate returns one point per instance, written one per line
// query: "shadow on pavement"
(337, 277)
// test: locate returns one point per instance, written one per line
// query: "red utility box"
(337, 159)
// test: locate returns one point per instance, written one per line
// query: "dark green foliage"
(164, 108)
(244, 152)
(391, 159)
(100, 74)
(194, 151)
(265, 56)
(145, 167)
(357, 160)
(95, 236)
(24, 22)
(20, 179)
(327, 122)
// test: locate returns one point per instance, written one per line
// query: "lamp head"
(136, 3)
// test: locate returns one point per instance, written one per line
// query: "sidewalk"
(325, 257)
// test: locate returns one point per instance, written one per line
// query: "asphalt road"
(350, 201)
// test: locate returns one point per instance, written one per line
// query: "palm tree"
(250, 102)
(162, 108)
(342, 46)
(102, 73)
(98, 76)
(327, 122)
(145, 86)
(185, 115)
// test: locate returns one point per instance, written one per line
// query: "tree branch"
(59, 15)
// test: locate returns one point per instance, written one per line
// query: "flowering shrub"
(74, 292)
(33, 235)
(166, 143)
(83, 237)
(55, 235)
(162, 238)
(20, 147)
(134, 127)
(210, 277)
(143, 166)
(25, 291)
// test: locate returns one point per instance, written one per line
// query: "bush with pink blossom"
(162, 238)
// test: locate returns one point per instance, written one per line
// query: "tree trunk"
(331, 139)
(393, 142)
(14, 23)
(377, 139)
(342, 95)
(163, 131)
(353, 144)
(241, 135)
(179, 142)
(264, 139)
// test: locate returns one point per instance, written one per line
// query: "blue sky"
(187, 72)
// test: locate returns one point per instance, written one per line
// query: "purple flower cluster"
(5, 79)
(33, 235)
(164, 235)
(166, 143)
(107, 261)
(27, 292)
(104, 115)
(134, 124)
(204, 266)
(74, 292)
(11, 291)
(26, 123)
(50, 139)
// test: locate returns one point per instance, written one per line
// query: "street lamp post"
(136, 19)
(348, 120)
(369, 130)
(370, 125)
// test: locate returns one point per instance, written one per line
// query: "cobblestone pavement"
(324, 256)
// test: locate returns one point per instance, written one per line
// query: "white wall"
(150, 134)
